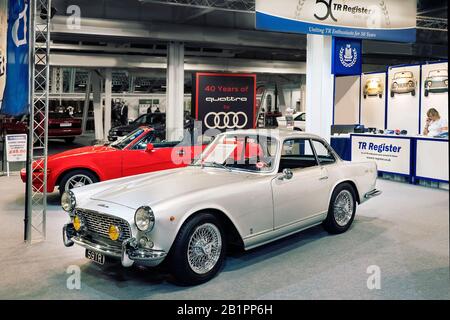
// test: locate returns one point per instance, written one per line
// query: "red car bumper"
(38, 178)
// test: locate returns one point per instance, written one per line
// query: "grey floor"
(405, 232)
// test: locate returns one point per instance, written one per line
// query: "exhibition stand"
(414, 158)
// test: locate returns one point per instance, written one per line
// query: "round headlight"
(68, 201)
(395, 85)
(144, 219)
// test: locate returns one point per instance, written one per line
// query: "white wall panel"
(403, 108)
(437, 100)
(373, 107)
(346, 101)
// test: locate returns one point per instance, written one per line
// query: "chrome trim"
(128, 251)
(107, 250)
(372, 194)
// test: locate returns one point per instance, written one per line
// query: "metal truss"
(36, 198)
(246, 6)
(432, 23)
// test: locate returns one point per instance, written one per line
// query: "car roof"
(276, 133)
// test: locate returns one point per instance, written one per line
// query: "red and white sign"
(16, 148)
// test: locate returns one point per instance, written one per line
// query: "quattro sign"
(391, 20)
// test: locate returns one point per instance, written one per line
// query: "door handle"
(323, 178)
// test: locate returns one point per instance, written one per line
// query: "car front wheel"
(198, 252)
(75, 179)
(342, 209)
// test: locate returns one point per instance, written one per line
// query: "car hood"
(440, 78)
(82, 151)
(153, 188)
(129, 127)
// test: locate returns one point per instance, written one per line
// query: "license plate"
(66, 124)
(95, 256)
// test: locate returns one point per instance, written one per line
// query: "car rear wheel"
(342, 209)
(198, 252)
(75, 179)
(413, 93)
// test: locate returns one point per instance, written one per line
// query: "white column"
(87, 98)
(108, 94)
(319, 86)
(175, 91)
(98, 108)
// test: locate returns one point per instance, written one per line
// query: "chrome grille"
(98, 223)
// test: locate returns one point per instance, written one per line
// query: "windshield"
(406, 74)
(376, 80)
(438, 73)
(151, 119)
(254, 153)
(123, 142)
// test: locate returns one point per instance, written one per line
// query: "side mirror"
(150, 147)
(287, 174)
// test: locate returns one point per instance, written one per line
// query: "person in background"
(434, 124)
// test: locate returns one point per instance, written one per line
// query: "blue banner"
(15, 96)
(347, 57)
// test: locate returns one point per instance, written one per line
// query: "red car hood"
(91, 150)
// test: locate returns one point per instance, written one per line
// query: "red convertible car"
(143, 150)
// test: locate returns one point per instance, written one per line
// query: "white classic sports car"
(297, 121)
(247, 188)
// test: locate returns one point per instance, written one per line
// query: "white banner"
(391, 154)
(392, 20)
(16, 148)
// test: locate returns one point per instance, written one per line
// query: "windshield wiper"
(217, 165)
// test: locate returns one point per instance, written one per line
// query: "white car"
(298, 121)
(248, 188)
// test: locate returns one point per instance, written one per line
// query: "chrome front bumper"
(372, 194)
(127, 253)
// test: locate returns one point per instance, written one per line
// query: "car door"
(304, 195)
(137, 160)
(300, 122)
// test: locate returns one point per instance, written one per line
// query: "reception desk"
(413, 157)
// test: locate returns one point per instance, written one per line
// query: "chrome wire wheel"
(343, 208)
(78, 180)
(204, 248)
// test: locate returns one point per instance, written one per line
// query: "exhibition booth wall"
(395, 99)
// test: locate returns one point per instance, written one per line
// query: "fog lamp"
(114, 232)
(77, 223)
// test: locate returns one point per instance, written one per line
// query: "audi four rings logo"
(226, 120)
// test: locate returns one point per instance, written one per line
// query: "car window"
(297, 153)
(301, 117)
(324, 154)
(125, 141)
(142, 144)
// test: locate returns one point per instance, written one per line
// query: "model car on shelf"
(155, 120)
(403, 82)
(437, 81)
(373, 87)
(298, 121)
(247, 188)
(143, 150)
